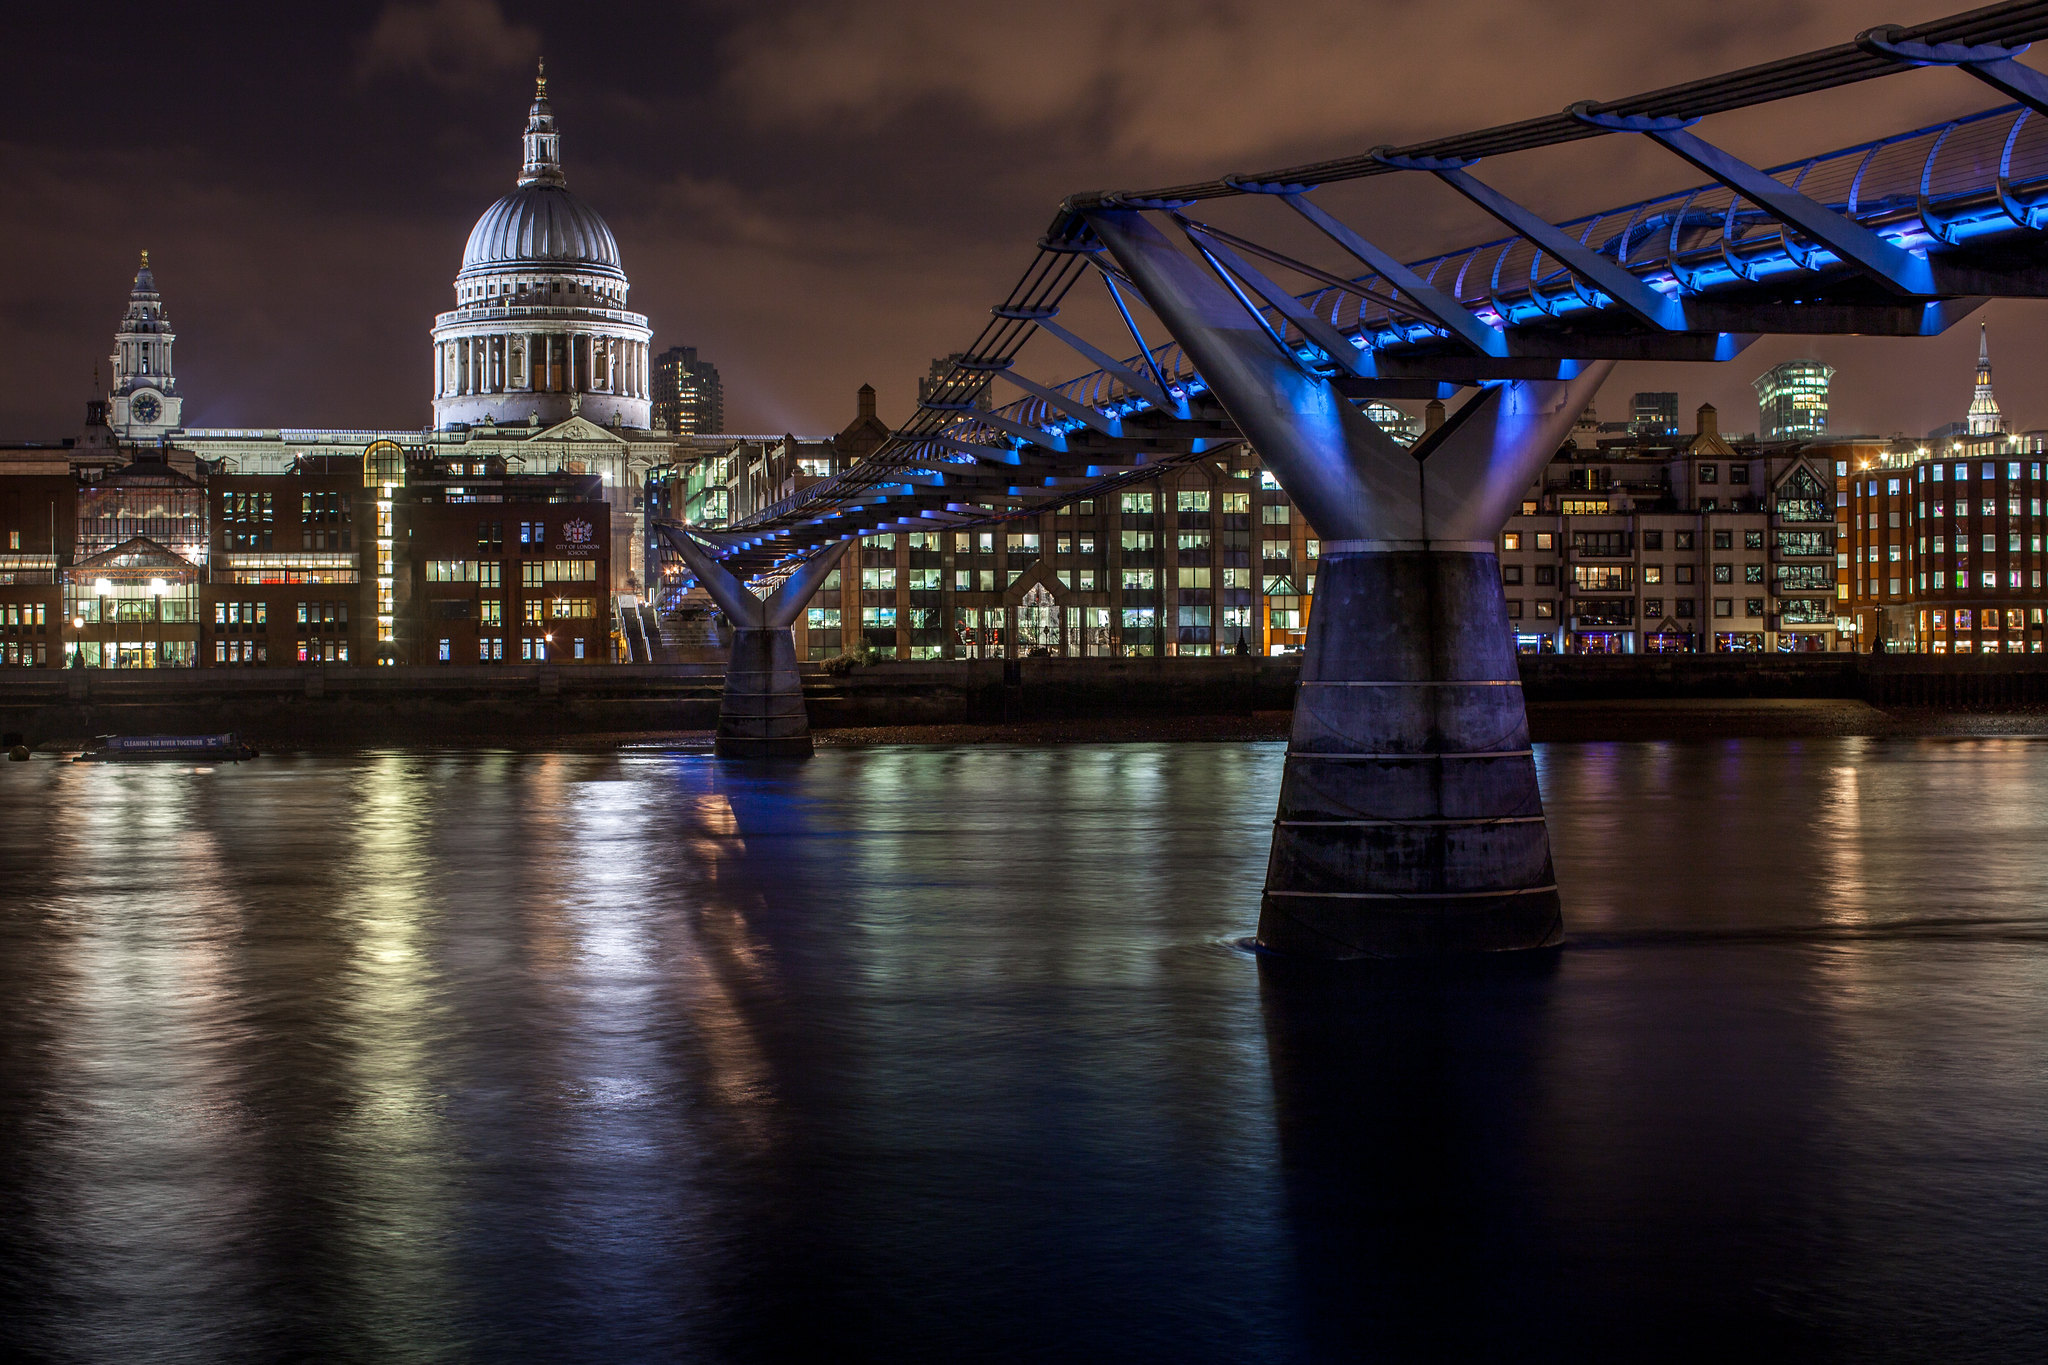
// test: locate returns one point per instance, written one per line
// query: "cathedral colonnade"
(542, 362)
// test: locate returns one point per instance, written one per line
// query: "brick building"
(37, 514)
(1942, 539)
(286, 584)
(397, 558)
(502, 567)
(1944, 555)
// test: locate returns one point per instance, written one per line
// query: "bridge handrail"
(1700, 226)
(1380, 327)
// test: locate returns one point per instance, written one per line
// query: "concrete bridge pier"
(1410, 822)
(761, 714)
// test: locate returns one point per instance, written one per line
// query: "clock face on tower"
(145, 408)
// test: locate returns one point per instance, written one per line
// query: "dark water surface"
(945, 1054)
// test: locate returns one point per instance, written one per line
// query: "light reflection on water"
(942, 1053)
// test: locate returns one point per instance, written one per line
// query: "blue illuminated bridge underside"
(1900, 236)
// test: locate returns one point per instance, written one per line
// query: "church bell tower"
(145, 405)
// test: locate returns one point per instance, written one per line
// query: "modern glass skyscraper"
(1792, 400)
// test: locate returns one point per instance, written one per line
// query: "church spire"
(145, 304)
(543, 145)
(1984, 418)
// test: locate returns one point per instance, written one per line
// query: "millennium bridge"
(1410, 820)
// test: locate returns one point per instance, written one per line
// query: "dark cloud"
(1170, 83)
(457, 43)
(813, 193)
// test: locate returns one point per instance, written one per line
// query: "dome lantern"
(543, 144)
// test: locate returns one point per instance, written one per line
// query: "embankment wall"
(348, 706)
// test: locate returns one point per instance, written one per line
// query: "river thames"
(954, 1054)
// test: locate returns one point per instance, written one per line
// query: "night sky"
(816, 194)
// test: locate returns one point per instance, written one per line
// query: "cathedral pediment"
(578, 429)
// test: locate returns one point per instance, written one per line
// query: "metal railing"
(1922, 190)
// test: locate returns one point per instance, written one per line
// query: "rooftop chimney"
(1706, 421)
(1432, 416)
(867, 402)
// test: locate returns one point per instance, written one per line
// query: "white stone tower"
(145, 403)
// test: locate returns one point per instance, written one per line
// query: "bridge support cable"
(1410, 820)
(1393, 303)
(761, 714)
(1886, 262)
(1609, 277)
(1443, 310)
(1142, 385)
(1164, 401)
(1995, 64)
(1986, 36)
(1231, 267)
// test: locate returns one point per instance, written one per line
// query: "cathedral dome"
(540, 331)
(541, 224)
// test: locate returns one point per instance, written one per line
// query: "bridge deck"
(1959, 206)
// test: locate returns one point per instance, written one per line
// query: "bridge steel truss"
(1409, 820)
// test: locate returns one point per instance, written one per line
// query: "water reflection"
(156, 1136)
(927, 1053)
(1405, 1108)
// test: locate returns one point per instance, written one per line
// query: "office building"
(1792, 400)
(1942, 547)
(1653, 414)
(946, 386)
(689, 399)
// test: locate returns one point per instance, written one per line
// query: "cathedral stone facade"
(538, 369)
(540, 331)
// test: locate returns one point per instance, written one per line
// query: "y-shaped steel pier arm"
(1410, 820)
(761, 714)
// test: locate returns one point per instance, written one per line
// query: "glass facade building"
(1792, 400)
